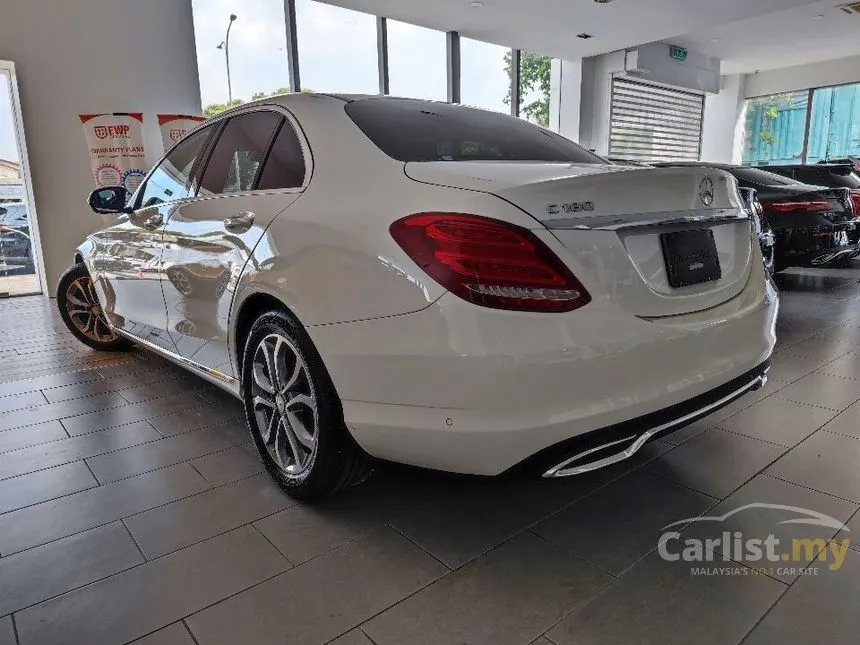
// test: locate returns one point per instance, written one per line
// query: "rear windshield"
(411, 130)
(761, 177)
(832, 176)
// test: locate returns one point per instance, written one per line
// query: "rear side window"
(834, 177)
(411, 130)
(285, 166)
(239, 153)
(171, 179)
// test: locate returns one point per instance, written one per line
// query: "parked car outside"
(430, 284)
(841, 174)
(16, 254)
(811, 223)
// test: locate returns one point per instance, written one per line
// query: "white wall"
(721, 138)
(802, 77)
(597, 75)
(83, 57)
(565, 97)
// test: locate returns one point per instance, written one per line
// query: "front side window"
(239, 153)
(171, 179)
(411, 130)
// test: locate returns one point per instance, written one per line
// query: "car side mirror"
(110, 200)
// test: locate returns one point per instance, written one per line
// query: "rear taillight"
(489, 263)
(793, 207)
(855, 202)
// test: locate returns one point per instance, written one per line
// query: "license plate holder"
(691, 257)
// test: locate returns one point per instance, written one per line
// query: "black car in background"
(837, 174)
(761, 227)
(16, 255)
(811, 224)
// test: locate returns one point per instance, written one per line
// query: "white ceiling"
(550, 26)
(817, 31)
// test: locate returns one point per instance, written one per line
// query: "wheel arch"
(249, 310)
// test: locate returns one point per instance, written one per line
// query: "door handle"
(153, 222)
(239, 222)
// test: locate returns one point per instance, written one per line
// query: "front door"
(255, 171)
(126, 258)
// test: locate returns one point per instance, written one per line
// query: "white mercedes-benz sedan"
(429, 284)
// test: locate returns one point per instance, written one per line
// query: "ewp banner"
(175, 126)
(116, 148)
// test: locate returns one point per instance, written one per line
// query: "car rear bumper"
(465, 389)
(813, 246)
(608, 446)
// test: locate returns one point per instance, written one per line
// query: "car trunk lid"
(625, 229)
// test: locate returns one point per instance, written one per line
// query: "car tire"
(294, 413)
(83, 314)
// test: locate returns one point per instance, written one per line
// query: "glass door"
(20, 258)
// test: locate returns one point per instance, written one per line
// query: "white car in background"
(430, 284)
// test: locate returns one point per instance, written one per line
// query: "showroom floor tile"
(134, 509)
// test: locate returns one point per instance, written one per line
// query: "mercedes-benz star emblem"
(706, 191)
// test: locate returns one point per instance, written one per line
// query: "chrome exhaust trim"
(567, 468)
(827, 258)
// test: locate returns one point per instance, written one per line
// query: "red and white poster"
(116, 148)
(175, 126)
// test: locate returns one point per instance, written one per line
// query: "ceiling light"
(585, 36)
(477, 4)
(818, 17)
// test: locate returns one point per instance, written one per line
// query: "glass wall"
(535, 87)
(258, 58)
(417, 61)
(834, 128)
(17, 249)
(484, 80)
(774, 128)
(337, 52)
(337, 49)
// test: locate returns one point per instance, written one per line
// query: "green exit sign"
(678, 53)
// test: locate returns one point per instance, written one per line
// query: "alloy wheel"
(285, 405)
(86, 313)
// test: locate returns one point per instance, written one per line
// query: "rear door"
(255, 171)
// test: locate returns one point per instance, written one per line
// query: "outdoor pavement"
(18, 285)
(133, 506)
